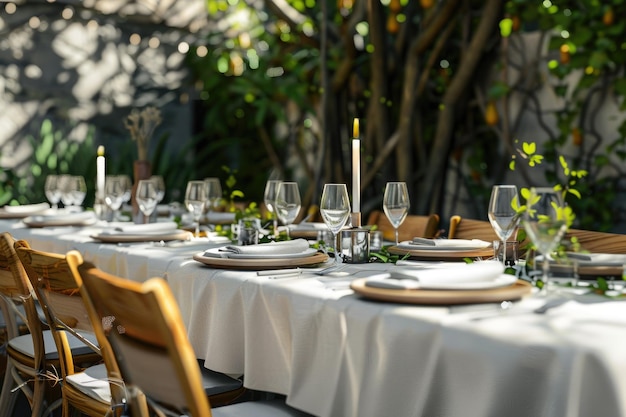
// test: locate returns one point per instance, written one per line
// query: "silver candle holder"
(355, 242)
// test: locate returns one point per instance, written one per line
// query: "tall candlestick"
(356, 169)
(100, 174)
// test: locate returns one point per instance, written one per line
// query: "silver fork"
(506, 309)
(331, 268)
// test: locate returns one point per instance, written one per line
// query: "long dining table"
(334, 353)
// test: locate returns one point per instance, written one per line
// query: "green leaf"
(620, 86)
(236, 193)
(529, 148)
(598, 59)
(575, 192)
(498, 90)
(581, 35)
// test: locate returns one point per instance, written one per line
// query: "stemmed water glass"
(79, 189)
(396, 204)
(214, 192)
(52, 188)
(159, 184)
(269, 197)
(335, 210)
(65, 187)
(196, 200)
(545, 223)
(128, 188)
(146, 197)
(288, 203)
(502, 213)
(73, 190)
(114, 190)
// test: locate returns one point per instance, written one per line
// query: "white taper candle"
(100, 175)
(356, 169)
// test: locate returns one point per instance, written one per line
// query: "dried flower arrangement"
(141, 125)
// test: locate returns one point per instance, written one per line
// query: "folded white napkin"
(220, 217)
(147, 228)
(462, 273)
(77, 217)
(27, 208)
(609, 259)
(309, 226)
(450, 243)
(285, 247)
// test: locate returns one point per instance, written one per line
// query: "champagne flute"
(288, 203)
(502, 214)
(52, 188)
(269, 197)
(335, 210)
(146, 197)
(545, 223)
(396, 204)
(114, 189)
(196, 200)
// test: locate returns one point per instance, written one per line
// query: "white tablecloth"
(335, 354)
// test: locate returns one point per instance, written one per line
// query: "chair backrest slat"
(413, 226)
(599, 242)
(462, 228)
(59, 287)
(21, 295)
(146, 331)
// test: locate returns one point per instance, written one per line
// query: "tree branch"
(436, 168)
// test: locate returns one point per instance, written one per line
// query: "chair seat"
(24, 345)
(274, 408)
(216, 383)
(93, 382)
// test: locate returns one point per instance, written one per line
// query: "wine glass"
(287, 203)
(146, 197)
(269, 197)
(335, 210)
(196, 200)
(214, 192)
(65, 187)
(128, 188)
(545, 223)
(502, 214)
(79, 189)
(396, 204)
(159, 183)
(114, 189)
(52, 188)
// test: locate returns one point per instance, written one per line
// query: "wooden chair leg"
(7, 398)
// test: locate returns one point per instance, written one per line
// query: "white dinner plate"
(217, 253)
(515, 291)
(317, 258)
(421, 252)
